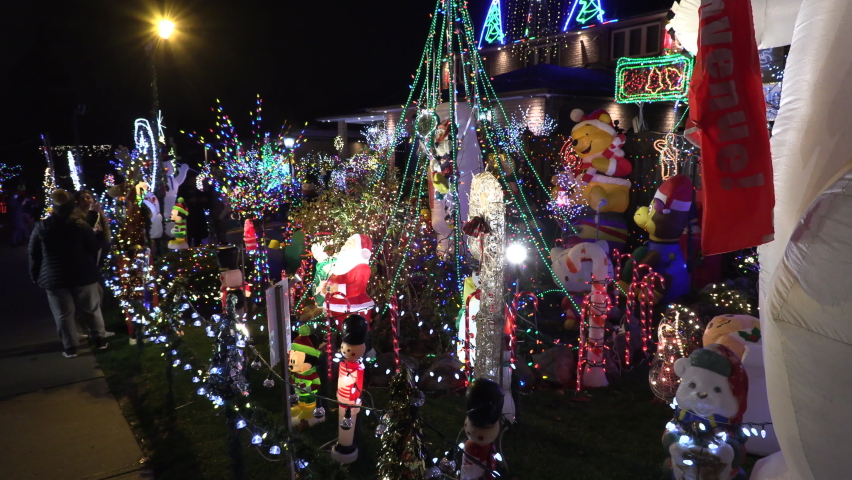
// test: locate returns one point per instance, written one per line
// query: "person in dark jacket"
(63, 261)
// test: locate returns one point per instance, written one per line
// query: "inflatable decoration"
(704, 440)
(250, 236)
(304, 359)
(601, 176)
(350, 382)
(466, 321)
(741, 333)
(172, 183)
(178, 216)
(484, 406)
(804, 286)
(349, 275)
(575, 267)
(150, 200)
(665, 221)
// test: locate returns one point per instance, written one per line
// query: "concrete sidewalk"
(59, 419)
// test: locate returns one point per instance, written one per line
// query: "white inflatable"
(773, 22)
(574, 267)
(804, 281)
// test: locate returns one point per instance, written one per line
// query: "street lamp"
(516, 253)
(165, 28)
(289, 142)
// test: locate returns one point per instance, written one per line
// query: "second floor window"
(637, 41)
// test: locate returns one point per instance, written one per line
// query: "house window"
(637, 41)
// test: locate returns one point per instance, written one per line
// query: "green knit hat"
(710, 360)
(179, 206)
(303, 342)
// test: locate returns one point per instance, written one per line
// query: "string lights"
(655, 79)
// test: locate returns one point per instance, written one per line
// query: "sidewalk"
(60, 421)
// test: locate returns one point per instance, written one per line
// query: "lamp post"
(163, 30)
(289, 143)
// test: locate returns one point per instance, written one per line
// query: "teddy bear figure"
(704, 439)
(484, 405)
(664, 220)
(303, 361)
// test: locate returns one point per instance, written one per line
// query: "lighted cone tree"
(679, 335)
(454, 114)
(402, 455)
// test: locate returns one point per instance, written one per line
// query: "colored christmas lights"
(584, 12)
(656, 79)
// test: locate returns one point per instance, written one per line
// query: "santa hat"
(303, 342)
(722, 360)
(676, 194)
(364, 244)
(593, 119)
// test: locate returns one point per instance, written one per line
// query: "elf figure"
(349, 275)
(350, 381)
(484, 404)
(303, 362)
(178, 215)
(705, 440)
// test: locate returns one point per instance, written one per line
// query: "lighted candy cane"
(631, 300)
(467, 368)
(395, 330)
(648, 298)
(329, 318)
(512, 324)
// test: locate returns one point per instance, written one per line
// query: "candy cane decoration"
(395, 331)
(329, 317)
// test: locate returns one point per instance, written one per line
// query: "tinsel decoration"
(226, 377)
(402, 457)
(679, 334)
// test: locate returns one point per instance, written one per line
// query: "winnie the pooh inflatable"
(600, 177)
(704, 440)
(665, 220)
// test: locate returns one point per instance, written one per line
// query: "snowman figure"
(484, 404)
(704, 439)
(174, 179)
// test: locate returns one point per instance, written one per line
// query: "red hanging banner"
(726, 102)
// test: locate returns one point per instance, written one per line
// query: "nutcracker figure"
(350, 381)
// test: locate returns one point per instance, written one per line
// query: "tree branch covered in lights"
(256, 176)
(511, 135)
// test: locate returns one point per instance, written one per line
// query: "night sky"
(305, 58)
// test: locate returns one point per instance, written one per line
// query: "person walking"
(63, 260)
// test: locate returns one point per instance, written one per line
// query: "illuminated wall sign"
(656, 79)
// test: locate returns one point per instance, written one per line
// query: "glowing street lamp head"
(289, 142)
(516, 253)
(165, 28)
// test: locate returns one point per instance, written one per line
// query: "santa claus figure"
(349, 276)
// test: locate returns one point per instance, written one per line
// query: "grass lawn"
(613, 435)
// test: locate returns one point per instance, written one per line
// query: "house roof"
(563, 80)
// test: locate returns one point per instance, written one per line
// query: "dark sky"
(306, 58)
